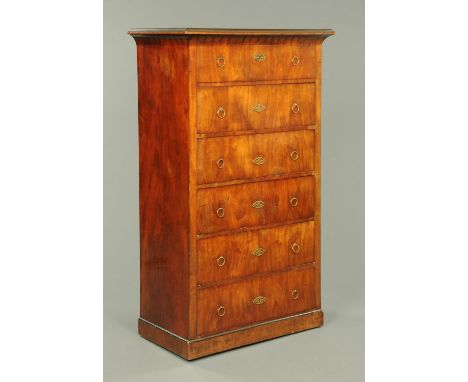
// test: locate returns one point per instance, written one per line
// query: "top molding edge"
(155, 32)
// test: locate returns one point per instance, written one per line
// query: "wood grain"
(181, 87)
(164, 164)
(239, 308)
(240, 61)
(254, 252)
(238, 103)
(192, 255)
(237, 202)
(255, 334)
(254, 156)
(201, 347)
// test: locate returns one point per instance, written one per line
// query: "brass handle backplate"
(295, 60)
(259, 108)
(294, 155)
(220, 212)
(220, 61)
(295, 108)
(221, 261)
(221, 311)
(259, 300)
(258, 204)
(293, 202)
(294, 294)
(295, 248)
(221, 113)
(258, 252)
(220, 163)
(259, 57)
(259, 160)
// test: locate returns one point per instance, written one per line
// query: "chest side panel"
(164, 166)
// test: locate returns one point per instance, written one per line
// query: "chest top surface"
(155, 32)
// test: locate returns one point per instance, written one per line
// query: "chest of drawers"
(229, 154)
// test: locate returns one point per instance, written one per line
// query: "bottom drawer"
(260, 299)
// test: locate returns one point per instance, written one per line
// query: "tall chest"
(229, 151)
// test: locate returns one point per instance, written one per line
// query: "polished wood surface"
(238, 300)
(236, 204)
(229, 133)
(197, 348)
(251, 59)
(233, 108)
(164, 203)
(253, 156)
(155, 32)
(229, 257)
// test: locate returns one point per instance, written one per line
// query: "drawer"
(254, 204)
(251, 156)
(220, 60)
(231, 256)
(255, 300)
(243, 108)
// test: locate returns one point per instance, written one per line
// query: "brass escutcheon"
(295, 248)
(295, 60)
(295, 108)
(220, 61)
(258, 204)
(221, 261)
(294, 155)
(220, 212)
(220, 163)
(259, 108)
(259, 160)
(259, 57)
(221, 113)
(259, 300)
(221, 311)
(293, 202)
(258, 252)
(294, 294)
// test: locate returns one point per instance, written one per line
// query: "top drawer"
(230, 59)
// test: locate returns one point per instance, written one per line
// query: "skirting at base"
(201, 347)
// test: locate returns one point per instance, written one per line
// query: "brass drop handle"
(259, 57)
(220, 212)
(295, 108)
(221, 261)
(221, 113)
(220, 61)
(259, 300)
(293, 202)
(220, 163)
(295, 60)
(295, 294)
(295, 248)
(221, 311)
(294, 155)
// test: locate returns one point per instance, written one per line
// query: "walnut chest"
(229, 152)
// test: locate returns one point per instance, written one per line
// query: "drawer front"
(251, 156)
(254, 204)
(226, 60)
(256, 300)
(231, 256)
(242, 108)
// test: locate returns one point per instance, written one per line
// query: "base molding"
(201, 347)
